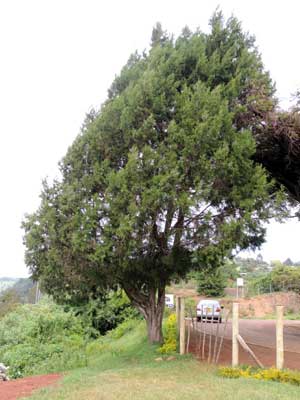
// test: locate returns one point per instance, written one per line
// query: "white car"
(209, 310)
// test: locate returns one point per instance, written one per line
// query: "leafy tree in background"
(285, 278)
(211, 282)
(281, 278)
(230, 272)
(161, 180)
(251, 266)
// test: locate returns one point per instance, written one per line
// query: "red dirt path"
(18, 388)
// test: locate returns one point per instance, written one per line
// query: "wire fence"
(210, 339)
(205, 334)
(255, 290)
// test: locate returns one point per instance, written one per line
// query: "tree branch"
(197, 216)
(169, 218)
(178, 227)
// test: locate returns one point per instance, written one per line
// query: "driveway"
(263, 333)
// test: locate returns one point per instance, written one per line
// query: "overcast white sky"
(58, 58)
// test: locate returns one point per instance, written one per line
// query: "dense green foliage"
(46, 337)
(161, 180)
(106, 313)
(41, 338)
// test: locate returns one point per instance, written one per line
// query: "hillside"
(6, 283)
(23, 288)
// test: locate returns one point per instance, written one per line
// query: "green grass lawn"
(126, 369)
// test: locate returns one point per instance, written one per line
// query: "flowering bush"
(170, 334)
(271, 374)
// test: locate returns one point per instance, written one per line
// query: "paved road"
(263, 332)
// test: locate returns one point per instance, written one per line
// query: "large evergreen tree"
(161, 180)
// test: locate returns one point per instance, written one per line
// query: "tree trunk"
(154, 329)
(154, 316)
(152, 307)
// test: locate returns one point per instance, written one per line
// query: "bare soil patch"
(264, 305)
(18, 388)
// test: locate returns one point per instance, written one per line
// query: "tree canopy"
(161, 180)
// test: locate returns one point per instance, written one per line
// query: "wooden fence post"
(279, 337)
(178, 313)
(182, 326)
(235, 332)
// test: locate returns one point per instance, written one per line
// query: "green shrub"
(170, 335)
(40, 323)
